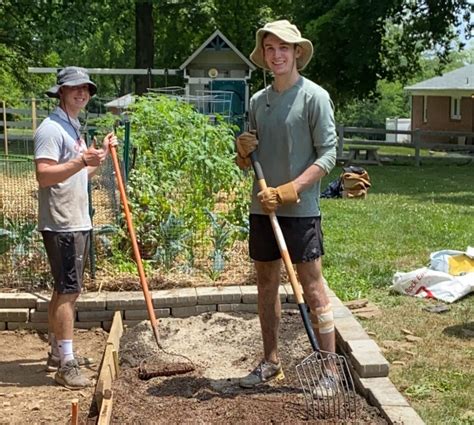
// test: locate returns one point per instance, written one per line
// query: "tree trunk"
(144, 43)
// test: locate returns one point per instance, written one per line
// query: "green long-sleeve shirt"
(295, 128)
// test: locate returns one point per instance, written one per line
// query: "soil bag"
(449, 277)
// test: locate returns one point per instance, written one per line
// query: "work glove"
(246, 143)
(243, 163)
(271, 198)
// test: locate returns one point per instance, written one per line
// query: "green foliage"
(19, 239)
(171, 238)
(223, 235)
(389, 101)
(391, 37)
(183, 163)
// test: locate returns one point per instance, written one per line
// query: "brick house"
(445, 103)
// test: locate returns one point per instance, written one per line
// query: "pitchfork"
(338, 401)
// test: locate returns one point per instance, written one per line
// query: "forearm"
(49, 174)
(309, 176)
(91, 171)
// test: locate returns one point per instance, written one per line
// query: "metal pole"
(126, 149)
(91, 214)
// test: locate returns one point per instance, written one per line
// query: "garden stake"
(166, 369)
(319, 364)
(75, 411)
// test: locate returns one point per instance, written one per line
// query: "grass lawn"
(409, 213)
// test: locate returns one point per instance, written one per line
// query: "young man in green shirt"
(292, 127)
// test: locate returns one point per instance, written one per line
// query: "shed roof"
(214, 35)
(120, 102)
(461, 79)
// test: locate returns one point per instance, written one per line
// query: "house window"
(425, 108)
(456, 108)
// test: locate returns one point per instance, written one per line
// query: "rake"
(146, 372)
(339, 400)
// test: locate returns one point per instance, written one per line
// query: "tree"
(144, 43)
(357, 42)
(354, 47)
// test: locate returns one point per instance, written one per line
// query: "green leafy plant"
(20, 239)
(222, 236)
(183, 166)
(172, 239)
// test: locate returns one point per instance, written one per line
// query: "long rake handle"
(136, 251)
(286, 257)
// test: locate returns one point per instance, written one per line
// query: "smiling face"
(74, 98)
(279, 55)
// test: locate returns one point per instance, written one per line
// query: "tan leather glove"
(246, 143)
(243, 163)
(271, 198)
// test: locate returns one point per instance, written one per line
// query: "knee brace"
(323, 319)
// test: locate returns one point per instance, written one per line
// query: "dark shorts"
(303, 237)
(67, 254)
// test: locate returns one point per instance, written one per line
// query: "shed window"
(456, 108)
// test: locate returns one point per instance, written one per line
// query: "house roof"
(215, 34)
(461, 79)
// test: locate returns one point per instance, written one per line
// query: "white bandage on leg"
(323, 319)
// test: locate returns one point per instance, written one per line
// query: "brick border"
(369, 367)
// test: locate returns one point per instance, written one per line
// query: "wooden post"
(5, 130)
(75, 412)
(340, 145)
(33, 114)
(416, 139)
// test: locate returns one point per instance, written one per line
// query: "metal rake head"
(327, 385)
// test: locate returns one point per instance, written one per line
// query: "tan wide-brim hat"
(288, 33)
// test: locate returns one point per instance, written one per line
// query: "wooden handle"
(262, 184)
(136, 251)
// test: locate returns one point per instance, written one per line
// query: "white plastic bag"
(453, 262)
(428, 283)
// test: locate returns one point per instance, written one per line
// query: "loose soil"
(28, 394)
(222, 347)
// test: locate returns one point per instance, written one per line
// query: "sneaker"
(70, 376)
(264, 372)
(326, 387)
(52, 364)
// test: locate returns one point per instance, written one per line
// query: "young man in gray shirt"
(292, 125)
(63, 166)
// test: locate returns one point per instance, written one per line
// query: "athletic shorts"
(67, 254)
(303, 237)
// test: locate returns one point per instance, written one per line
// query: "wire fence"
(23, 259)
(181, 253)
(180, 256)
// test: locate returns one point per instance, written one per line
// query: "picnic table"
(363, 155)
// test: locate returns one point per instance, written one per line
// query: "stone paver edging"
(369, 367)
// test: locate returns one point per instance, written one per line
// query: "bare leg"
(269, 308)
(63, 316)
(51, 312)
(311, 278)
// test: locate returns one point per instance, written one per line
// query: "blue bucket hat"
(71, 76)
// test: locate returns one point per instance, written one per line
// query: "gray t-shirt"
(63, 207)
(295, 129)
